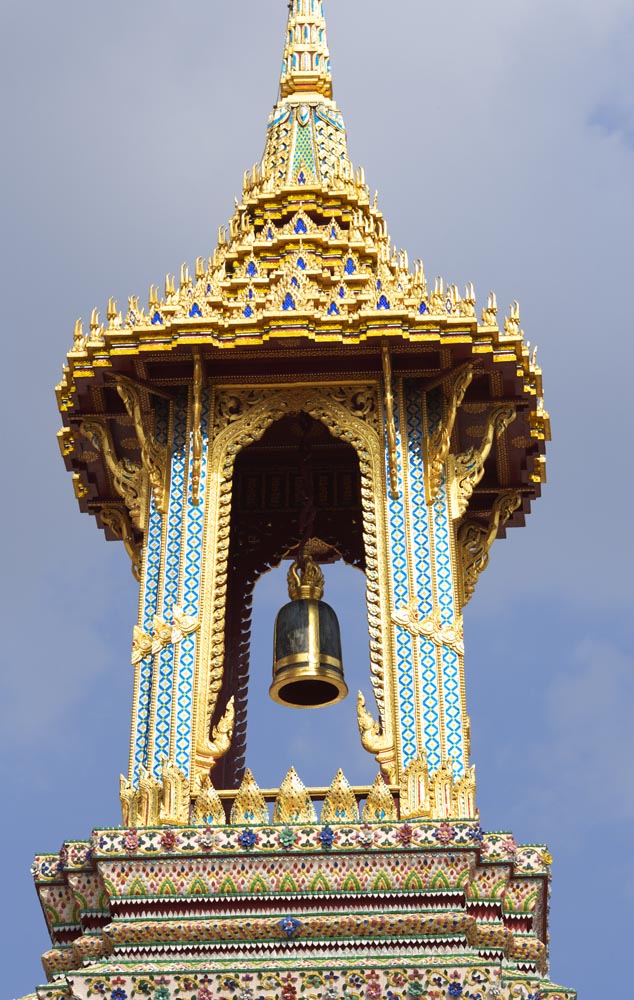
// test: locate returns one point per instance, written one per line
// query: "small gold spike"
(249, 807)
(340, 804)
(489, 314)
(379, 806)
(293, 803)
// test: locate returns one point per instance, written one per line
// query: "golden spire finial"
(306, 141)
(306, 61)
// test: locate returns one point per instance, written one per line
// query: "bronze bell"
(307, 668)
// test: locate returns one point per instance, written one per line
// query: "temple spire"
(306, 62)
(306, 136)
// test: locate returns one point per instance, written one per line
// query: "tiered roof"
(304, 279)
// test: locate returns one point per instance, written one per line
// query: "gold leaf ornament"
(249, 807)
(340, 804)
(293, 803)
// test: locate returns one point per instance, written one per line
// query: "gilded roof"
(306, 261)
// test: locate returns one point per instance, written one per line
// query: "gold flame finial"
(305, 582)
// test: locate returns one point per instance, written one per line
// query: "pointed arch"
(351, 413)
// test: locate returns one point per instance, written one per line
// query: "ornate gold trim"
(380, 806)
(440, 796)
(293, 803)
(197, 437)
(249, 807)
(163, 634)
(240, 418)
(120, 524)
(340, 804)
(442, 634)
(468, 467)
(475, 540)
(436, 445)
(128, 477)
(389, 420)
(153, 454)
(222, 733)
(208, 807)
(156, 801)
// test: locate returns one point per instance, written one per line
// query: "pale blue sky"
(501, 139)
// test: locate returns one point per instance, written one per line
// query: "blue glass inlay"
(195, 310)
(301, 263)
(208, 289)
(248, 312)
(289, 302)
(333, 310)
(269, 234)
(379, 285)
(300, 226)
(333, 233)
(350, 266)
(250, 293)
(341, 292)
(252, 269)
(448, 305)
(156, 319)
(383, 303)
(302, 177)
(422, 308)
(294, 282)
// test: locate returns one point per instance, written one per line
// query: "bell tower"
(301, 396)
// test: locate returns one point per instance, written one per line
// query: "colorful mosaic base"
(196, 912)
(384, 981)
(234, 840)
(301, 897)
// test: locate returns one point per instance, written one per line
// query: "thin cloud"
(584, 761)
(614, 119)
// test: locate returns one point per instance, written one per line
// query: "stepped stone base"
(364, 911)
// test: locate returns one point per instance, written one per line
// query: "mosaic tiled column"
(171, 577)
(432, 717)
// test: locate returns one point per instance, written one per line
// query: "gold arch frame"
(241, 418)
